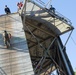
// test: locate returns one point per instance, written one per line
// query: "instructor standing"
(7, 10)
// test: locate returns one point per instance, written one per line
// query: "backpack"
(9, 35)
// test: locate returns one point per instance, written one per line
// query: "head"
(51, 5)
(5, 31)
(5, 5)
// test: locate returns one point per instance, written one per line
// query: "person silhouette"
(6, 38)
(7, 10)
(52, 9)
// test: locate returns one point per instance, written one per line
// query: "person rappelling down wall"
(7, 38)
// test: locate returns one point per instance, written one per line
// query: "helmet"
(5, 5)
(5, 31)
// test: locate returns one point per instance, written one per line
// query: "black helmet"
(5, 5)
(5, 31)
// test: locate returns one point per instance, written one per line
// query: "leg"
(6, 43)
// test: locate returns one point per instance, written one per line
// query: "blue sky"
(66, 8)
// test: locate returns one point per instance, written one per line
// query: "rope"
(68, 38)
(73, 40)
(48, 3)
(5, 22)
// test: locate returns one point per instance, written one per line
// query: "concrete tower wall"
(16, 59)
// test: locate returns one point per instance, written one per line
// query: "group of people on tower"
(7, 9)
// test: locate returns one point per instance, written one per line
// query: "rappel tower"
(36, 46)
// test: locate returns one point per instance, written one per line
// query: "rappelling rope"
(5, 23)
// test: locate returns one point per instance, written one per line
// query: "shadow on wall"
(17, 43)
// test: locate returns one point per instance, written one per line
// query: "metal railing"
(63, 17)
(56, 14)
